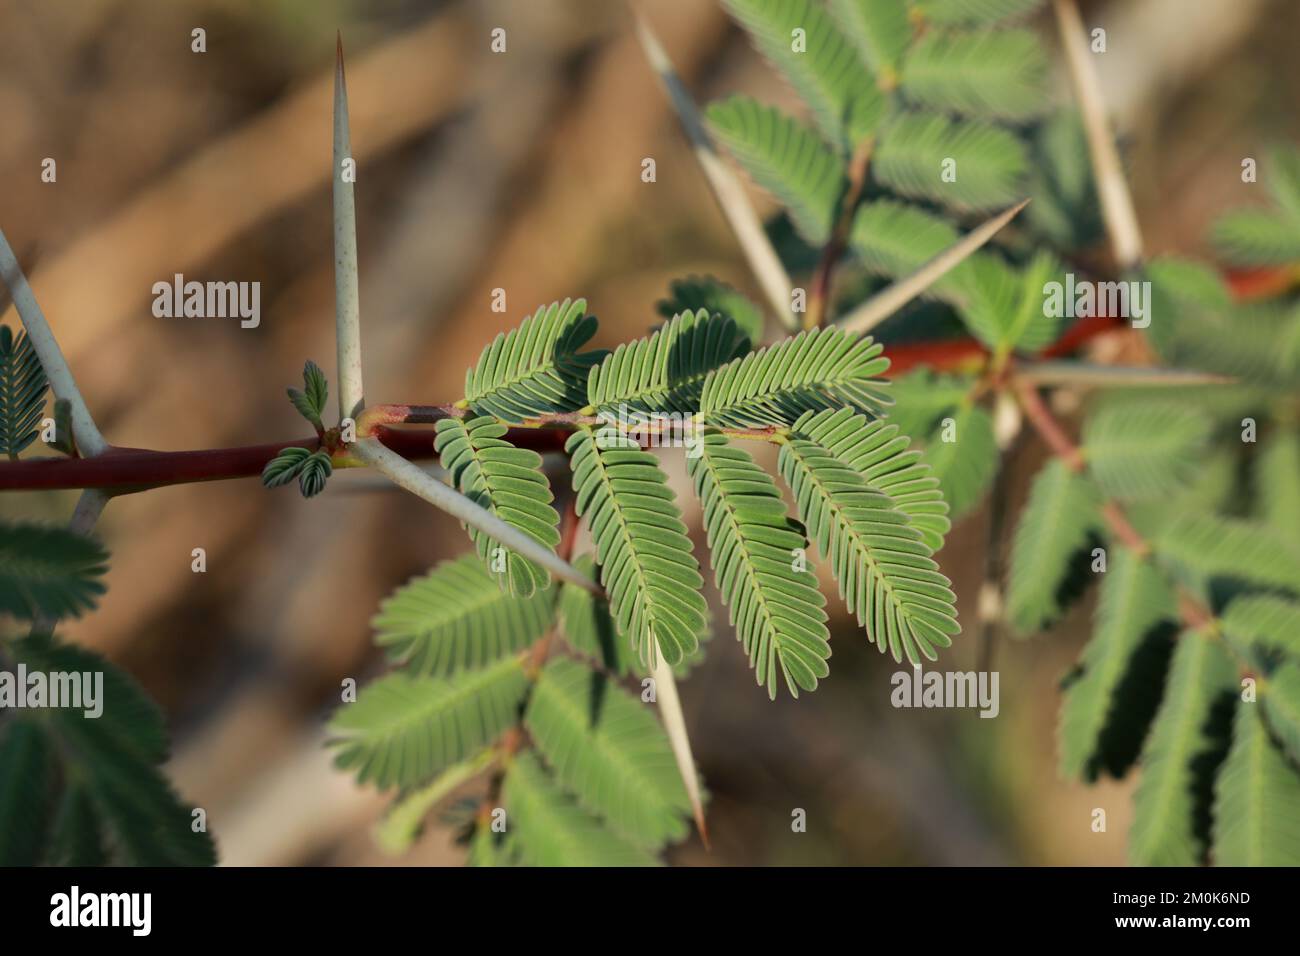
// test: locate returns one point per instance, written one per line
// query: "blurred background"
(478, 171)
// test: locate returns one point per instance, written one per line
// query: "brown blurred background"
(476, 171)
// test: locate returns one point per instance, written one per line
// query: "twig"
(1192, 610)
(84, 430)
(726, 187)
(1112, 187)
(889, 300)
(1054, 435)
(834, 249)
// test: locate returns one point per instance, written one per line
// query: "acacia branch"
(1194, 612)
(833, 251)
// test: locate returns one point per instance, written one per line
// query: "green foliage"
(94, 793)
(784, 157)
(1134, 601)
(882, 565)
(610, 752)
(1281, 704)
(1258, 237)
(1258, 623)
(777, 611)
(1144, 449)
(993, 73)
(1065, 209)
(401, 730)
(1255, 797)
(1213, 547)
(508, 482)
(311, 468)
(667, 370)
(22, 392)
(1061, 513)
(645, 558)
(879, 28)
(821, 369)
(48, 572)
(284, 467)
(314, 472)
(535, 368)
(828, 74)
(973, 12)
(310, 400)
(588, 626)
(715, 297)
(549, 828)
(990, 161)
(1277, 480)
(457, 618)
(1171, 807)
(966, 463)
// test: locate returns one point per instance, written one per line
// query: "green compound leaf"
(1233, 549)
(974, 12)
(820, 369)
(785, 158)
(113, 803)
(879, 28)
(988, 164)
(963, 455)
(509, 483)
(1097, 726)
(878, 451)
(1188, 740)
(776, 610)
(1255, 799)
(665, 371)
(646, 564)
(457, 618)
(27, 761)
(883, 566)
(715, 297)
(825, 70)
(1062, 511)
(402, 730)
(48, 572)
(1281, 703)
(22, 392)
(314, 472)
(610, 752)
(1144, 450)
(536, 368)
(588, 626)
(1259, 623)
(1000, 74)
(311, 402)
(284, 467)
(1255, 237)
(548, 828)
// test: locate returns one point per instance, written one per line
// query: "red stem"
(124, 470)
